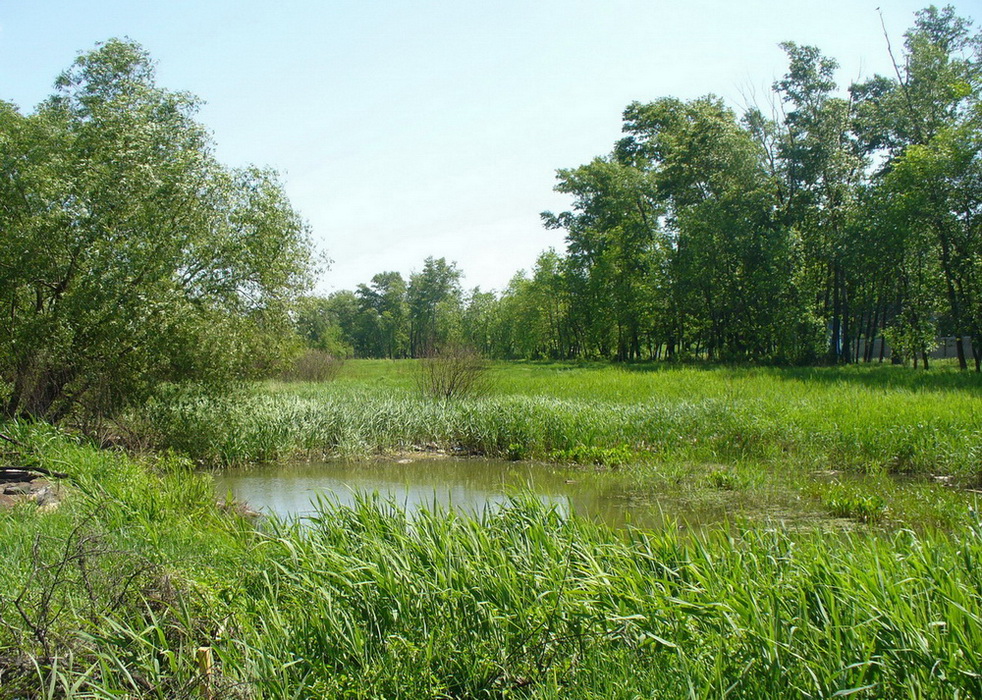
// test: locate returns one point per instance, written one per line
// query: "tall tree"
(611, 237)
(129, 255)
(822, 167)
(434, 297)
(384, 304)
(924, 123)
(727, 259)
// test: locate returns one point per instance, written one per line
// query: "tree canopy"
(130, 256)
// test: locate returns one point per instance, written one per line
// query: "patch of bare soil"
(23, 486)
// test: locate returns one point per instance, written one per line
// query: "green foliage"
(724, 479)
(130, 256)
(521, 601)
(434, 300)
(844, 503)
(845, 226)
(866, 419)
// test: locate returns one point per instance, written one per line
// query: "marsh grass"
(521, 601)
(111, 594)
(865, 419)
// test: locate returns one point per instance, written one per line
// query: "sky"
(409, 128)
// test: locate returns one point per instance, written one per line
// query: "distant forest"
(797, 232)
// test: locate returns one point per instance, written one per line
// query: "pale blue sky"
(413, 128)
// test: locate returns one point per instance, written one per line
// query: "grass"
(863, 419)
(112, 594)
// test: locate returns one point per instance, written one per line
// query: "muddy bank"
(22, 486)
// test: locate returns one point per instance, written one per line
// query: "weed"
(841, 503)
(724, 480)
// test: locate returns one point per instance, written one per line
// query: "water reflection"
(291, 490)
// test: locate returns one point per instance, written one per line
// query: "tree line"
(800, 233)
(131, 258)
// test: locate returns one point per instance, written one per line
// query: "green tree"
(532, 319)
(611, 236)
(726, 261)
(129, 255)
(434, 298)
(324, 323)
(924, 125)
(386, 297)
(820, 169)
(478, 321)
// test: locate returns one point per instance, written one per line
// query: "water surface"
(291, 490)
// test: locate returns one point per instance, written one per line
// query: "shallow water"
(291, 491)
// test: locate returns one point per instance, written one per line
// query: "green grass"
(864, 419)
(111, 595)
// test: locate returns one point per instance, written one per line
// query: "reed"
(520, 601)
(868, 419)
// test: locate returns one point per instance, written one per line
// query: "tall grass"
(521, 601)
(864, 419)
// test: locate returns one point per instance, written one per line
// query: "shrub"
(452, 371)
(313, 366)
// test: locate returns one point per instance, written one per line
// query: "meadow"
(116, 592)
(869, 419)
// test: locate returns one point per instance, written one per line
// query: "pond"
(617, 499)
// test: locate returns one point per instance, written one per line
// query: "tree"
(385, 300)
(612, 245)
(434, 297)
(820, 169)
(533, 313)
(129, 255)
(477, 321)
(726, 262)
(327, 324)
(924, 124)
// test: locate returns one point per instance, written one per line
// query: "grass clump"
(846, 503)
(725, 479)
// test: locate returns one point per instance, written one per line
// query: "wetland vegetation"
(875, 593)
(155, 304)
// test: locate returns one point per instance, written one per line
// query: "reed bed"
(114, 593)
(863, 419)
(118, 592)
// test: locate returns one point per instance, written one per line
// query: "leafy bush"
(118, 274)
